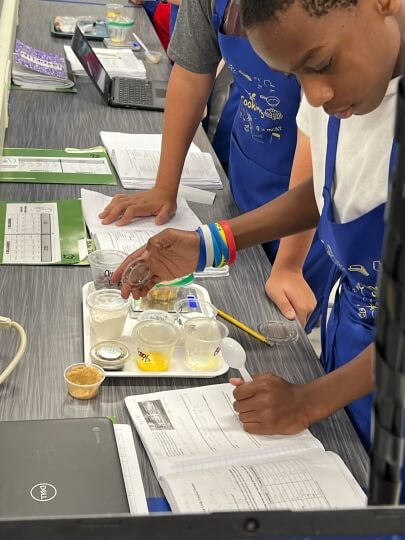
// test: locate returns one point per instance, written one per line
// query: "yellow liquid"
(152, 361)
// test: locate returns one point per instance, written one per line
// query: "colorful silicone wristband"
(209, 245)
(230, 240)
(203, 254)
(223, 246)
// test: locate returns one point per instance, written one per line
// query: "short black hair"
(260, 11)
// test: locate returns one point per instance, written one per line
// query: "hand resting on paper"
(154, 202)
(270, 405)
(168, 255)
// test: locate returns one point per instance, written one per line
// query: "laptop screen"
(88, 58)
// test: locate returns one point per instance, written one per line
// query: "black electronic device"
(120, 92)
(362, 524)
(60, 467)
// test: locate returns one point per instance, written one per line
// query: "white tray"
(130, 369)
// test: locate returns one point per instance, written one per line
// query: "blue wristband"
(222, 246)
(202, 259)
(217, 250)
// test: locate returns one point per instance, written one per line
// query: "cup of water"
(203, 338)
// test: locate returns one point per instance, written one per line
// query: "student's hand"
(270, 405)
(137, 1)
(291, 294)
(124, 208)
(168, 255)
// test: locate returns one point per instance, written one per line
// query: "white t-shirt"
(362, 159)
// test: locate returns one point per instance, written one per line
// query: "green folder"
(72, 230)
(61, 157)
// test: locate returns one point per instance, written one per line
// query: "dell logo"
(43, 492)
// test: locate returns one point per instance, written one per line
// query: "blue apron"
(173, 16)
(263, 140)
(355, 248)
(150, 7)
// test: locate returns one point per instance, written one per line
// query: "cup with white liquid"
(108, 313)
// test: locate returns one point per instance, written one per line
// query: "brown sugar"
(84, 381)
(84, 375)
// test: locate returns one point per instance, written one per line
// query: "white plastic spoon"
(151, 56)
(235, 356)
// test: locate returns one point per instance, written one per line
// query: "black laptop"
(60, 467)
(118, 91)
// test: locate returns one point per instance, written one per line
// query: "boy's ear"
(388, 8)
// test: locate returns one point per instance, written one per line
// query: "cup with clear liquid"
(203, 338)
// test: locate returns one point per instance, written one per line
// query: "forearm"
(293, 250)
(332, 392)
(187, 96)
(291, 213)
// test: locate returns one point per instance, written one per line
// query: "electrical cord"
(7, 324)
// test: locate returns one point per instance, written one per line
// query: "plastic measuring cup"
(203, 338)
(119, 29)
(108, 313)
(155, 342)
(103, 263)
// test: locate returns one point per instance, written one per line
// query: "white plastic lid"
(107, 300)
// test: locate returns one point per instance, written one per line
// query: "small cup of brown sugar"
(84, 380)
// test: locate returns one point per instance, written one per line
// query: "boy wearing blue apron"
(263, 131)
(347, 56)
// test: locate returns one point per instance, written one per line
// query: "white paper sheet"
(136, 233)
(130, 469)
(31, 233)
(54, 164)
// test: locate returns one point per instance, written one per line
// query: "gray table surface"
(47, 300)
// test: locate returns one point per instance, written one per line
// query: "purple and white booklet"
(33, 68)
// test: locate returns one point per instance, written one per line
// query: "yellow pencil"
(245, 328)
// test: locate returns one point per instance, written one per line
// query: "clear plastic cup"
(103, 263)
(202, 339)
(189, 308)
(120, 29)
(108, 313)
(155, 342)
(83, 380)
(114, 11)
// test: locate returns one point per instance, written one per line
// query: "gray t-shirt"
(194, 44)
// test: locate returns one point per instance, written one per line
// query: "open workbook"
(206, 462)
(136, 160)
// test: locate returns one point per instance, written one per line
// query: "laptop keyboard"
(135, 91)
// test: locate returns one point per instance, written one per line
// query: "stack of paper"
(117, 63)
(136, 159)
(39, 70)
(137, 233)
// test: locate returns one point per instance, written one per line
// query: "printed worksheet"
(31, 234)
(54, 164)
(51, 232)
